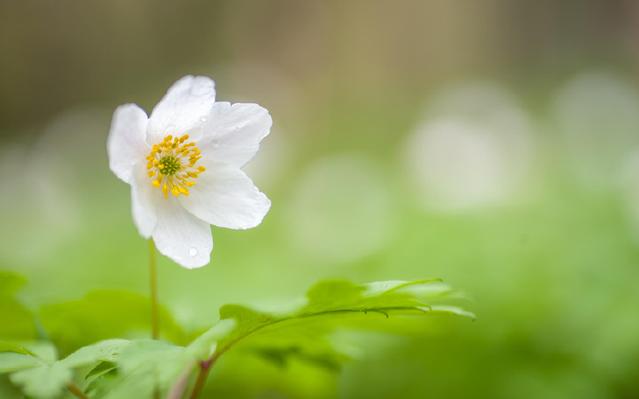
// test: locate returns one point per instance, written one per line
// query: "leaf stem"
(181, 385)
(153, 276)
(76, 391)
(205, 369)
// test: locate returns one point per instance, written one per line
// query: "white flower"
(184, 167)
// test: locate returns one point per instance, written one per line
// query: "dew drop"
(192, 251)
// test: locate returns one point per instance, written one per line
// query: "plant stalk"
(153, 276)
(205, 369)
(155, 319)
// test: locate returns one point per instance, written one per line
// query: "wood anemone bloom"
(184, 166)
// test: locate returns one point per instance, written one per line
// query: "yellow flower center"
(172, 165)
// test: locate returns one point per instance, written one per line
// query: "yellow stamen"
(172, 165)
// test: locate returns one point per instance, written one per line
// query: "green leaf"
(46, 378)
(145, 365)
(305, 333)
(17, 320)
(326, 359)
(10, 362)
(44, 381)
(14, 347)
(105, 351)
(102, 315)
(96, 380)
(203, 346)
(10, 282)
(38, 349)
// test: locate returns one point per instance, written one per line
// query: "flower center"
(169, 165)
(172, 165)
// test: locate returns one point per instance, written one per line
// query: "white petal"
(232, 133)
(144, 199)
(183, 108)
(224, 196)
(181, 236)
(126, 144)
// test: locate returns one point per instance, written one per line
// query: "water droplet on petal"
(192, 251)
(203, 119)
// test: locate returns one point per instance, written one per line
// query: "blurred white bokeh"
(597, 115)
(46, 183)
(630, 190)
(340, 209)
(473, 149)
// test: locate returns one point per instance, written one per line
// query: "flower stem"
(155, 320)
(153, 275)
(76, 391)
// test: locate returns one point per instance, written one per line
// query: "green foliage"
(43, 377)
(147, 364)
(10, 282)
(119, 368)
(102, 315)
(17, 320)
(306, 332)
(10, 362)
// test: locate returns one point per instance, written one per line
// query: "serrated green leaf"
(105, 351)
(305, 332)
(102, 315)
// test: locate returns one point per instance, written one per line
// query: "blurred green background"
(494, 144)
